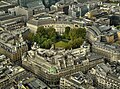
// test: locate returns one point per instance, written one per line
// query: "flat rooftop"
(7, 17)
(7, 69)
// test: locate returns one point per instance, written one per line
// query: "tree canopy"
(45, 37)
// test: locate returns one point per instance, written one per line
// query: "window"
(76, 25)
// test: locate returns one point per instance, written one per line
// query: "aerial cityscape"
(59, 44)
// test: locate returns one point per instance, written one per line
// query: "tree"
(30, 37)
(70, 44)
(82, 32)
(67, 30)
(37, 38)
(75, 43)
(51, 32)
(66, 34)
(41, 31)
(73, 34)
(45, 37)
(76, 33)
(47, 44)
(78, 41)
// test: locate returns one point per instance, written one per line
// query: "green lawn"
(61, 44)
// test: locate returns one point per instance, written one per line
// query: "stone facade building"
(12, 46)
(51, 21)
(76, 81)
(9, 73)
(50, 65)
(111, 52)
(106, 77)
(102, 34)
